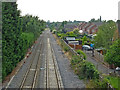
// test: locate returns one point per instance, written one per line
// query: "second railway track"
(29, 79)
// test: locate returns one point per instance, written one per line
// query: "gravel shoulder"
(70, 80)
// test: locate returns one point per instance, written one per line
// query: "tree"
(63, 25)
(11, 31)
(113, 54)
(76, 31)
(105, 34)
(18, 34)
(84, 40)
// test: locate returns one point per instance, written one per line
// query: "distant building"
(89, 28)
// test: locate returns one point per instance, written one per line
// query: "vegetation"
(84, 40)
(80, 52)
(97, 84)
(18, 34)
(105, 35)
(114, 81)
(112, 55)
(87, 70)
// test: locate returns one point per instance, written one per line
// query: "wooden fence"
(100, 57)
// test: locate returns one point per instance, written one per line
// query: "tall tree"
(105, 34)
(113, 54)
(10, 36)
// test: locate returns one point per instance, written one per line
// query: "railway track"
(29, 79)
(53, 78)
(42, 70)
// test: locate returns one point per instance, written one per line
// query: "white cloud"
(59, 10)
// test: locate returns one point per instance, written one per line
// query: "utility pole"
(118, 19)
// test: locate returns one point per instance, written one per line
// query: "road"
(46, 67)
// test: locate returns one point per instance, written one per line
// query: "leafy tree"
(11, 31)
(63, 25)
(18, 34)
(113, 54)
(105, 34)
(84, 39)
(76, 31)
(72, 34)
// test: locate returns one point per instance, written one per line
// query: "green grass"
(114, 81)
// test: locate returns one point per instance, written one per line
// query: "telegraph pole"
(118, 19)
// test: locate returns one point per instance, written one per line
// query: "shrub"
(96, 83)
(80, 52)
(66, 48)
(87, 70)
(75, 60)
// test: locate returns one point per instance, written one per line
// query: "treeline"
(107, 38)
(18, 34)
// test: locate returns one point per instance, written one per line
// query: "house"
(89, 28)
(69, 27)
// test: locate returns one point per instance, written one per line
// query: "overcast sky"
(60, 10)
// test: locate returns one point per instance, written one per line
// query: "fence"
(70, 49)
(76, 46)
(100, 57)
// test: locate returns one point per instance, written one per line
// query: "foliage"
(18, 34)
(71, 34)
(63, 36)
(76, 32)
(98, 20)
(114, 81)
(11, 31)
(113, 54)
(75, 60)
(87, 70)
(32, 24)
(84, 40)
(97, 84)
(80, 52)
(66, 48)
(105, 34)
(54, 31)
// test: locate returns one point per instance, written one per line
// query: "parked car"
(87, 47)
(118, 69)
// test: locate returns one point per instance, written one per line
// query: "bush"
(96, 83)
(80, 52)
(66, 49)
(87, 70)
(59, 35)
(75, 60)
